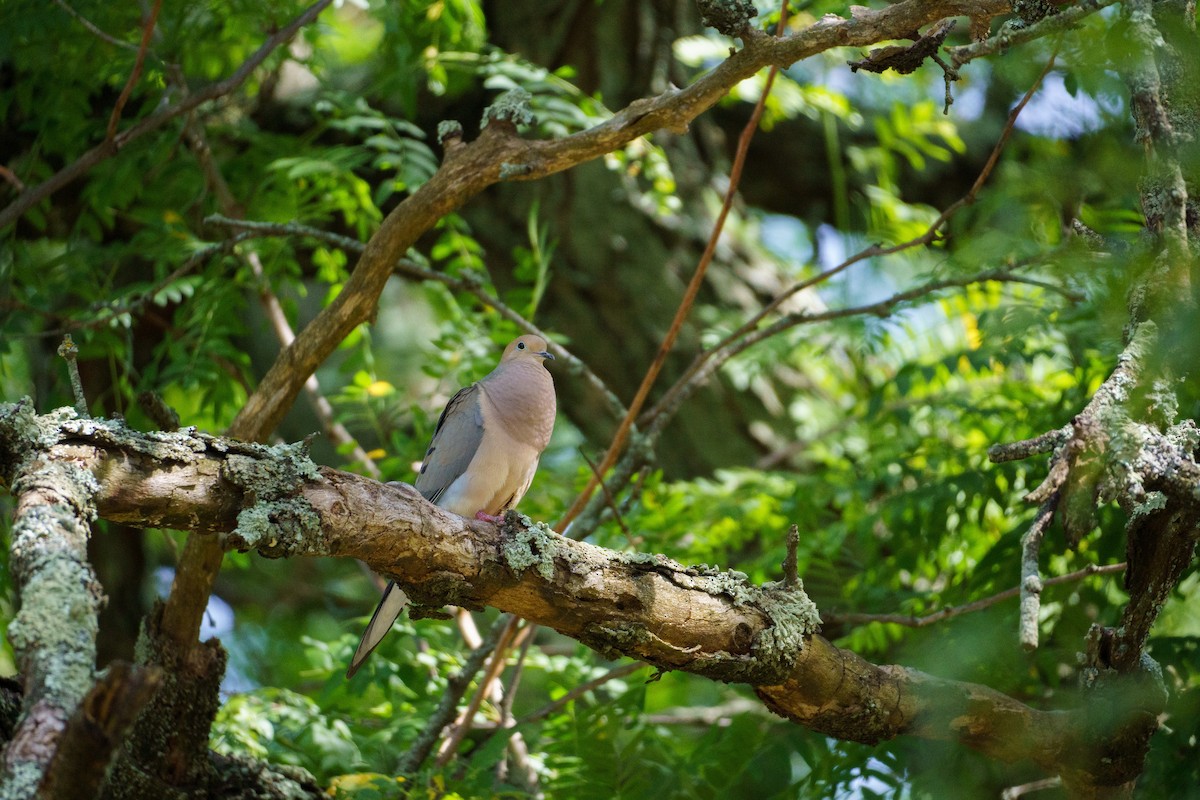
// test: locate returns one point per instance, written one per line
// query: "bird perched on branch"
(484, 452)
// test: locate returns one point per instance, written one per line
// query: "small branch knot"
(512, 107)
(449, 132)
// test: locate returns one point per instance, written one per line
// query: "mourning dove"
(484, 452)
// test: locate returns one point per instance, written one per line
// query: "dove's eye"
(520, 345)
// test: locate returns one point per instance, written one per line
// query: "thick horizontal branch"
(276, 501)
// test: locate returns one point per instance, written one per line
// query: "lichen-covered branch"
(702, 620)
(1014, 35)
(54, 633)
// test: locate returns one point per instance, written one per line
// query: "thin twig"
(155, 407)
(608, 496)
(107, 314)
(685, 304)
(1027, 448)
(111, 146)
(504, 696)
(688, 384)
(708, 716)
(1031, 583)
(1017, 792)
(913, 621)
(791, 577)
(147, 32)
(68, 352)
(580, 690)
(96, 31)
(10, 176)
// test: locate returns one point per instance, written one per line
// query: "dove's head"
(527, 346)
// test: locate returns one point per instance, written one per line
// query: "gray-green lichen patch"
(514, 106)
(770, 656)
(794, 618)
(275, 781)
(21, 779)
(276, 521)
(72, 485)
(528, 545)
(277, 528)
(25, 435)
(441, 588)
(729, 17)
(449, 129)
(616, 639)
(1030, 11)
(54, 633)
(1185, 436)
(509, 171)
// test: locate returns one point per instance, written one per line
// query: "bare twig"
(10, 176)
(707, 716)
(913, 621)
(608, 496)
(503, 697)
(96, 31)
(411, 269)
(581, 690)
(1016, 792)
(335, 430)
(1027, 448)
(1031, 581)
(68, 352)
(155, 407)
(107, 314)
(113, 145)
(711, 360)
(791, 578)
(147, 32)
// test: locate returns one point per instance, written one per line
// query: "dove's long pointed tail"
(390, 605)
